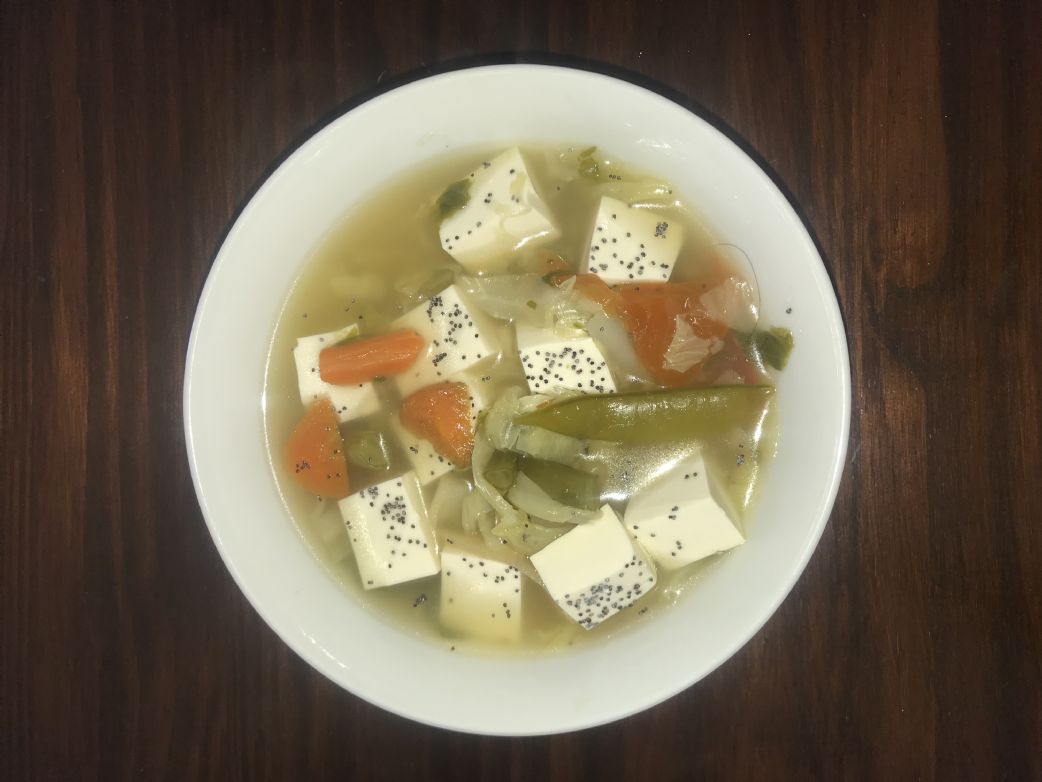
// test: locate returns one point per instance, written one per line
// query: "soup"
(519, 399)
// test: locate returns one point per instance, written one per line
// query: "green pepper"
(564, 484)
(367, 450)
(649, 417)
(501, 470)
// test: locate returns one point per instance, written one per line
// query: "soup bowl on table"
(236, 437)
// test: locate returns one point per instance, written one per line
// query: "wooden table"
(910, 135)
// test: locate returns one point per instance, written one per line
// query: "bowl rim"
(837, 334)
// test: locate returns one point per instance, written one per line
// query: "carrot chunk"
(361, 360)
(314, 453)
(441, 414)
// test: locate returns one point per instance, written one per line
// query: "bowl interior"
(263, 254)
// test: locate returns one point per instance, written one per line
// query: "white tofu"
(553, 364)
(390, 533)
(480, 596)
(629, 244)
(676, 519)
(350, 402)
(457, 335)
(503, 214)
(595, 570)
(428, 464)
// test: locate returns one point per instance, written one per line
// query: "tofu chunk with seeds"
(595, 570)
(390, 533)
(480, 596)
(457, 334)
(631, 244)
(554, 364)
(503, 213)
(676, 519)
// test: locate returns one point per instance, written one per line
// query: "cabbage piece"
(483, 451)
(527, 495)
(522, 298)
(528, 537)
(687, 349)
(733, 302)
(615, 181)
(446, 507)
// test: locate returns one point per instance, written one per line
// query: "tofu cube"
(554, 364)
(676, 519)
(504, 213)
(630, 244)
(595, 570)
(349, 402)
(390, 533)
(457, 334)
(480, 596)
(428, 464)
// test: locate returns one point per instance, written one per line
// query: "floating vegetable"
(649, 417)
(367, 450)
(455, 197)
(362, 360)
(314, 453)
(441, 414)
(564, 484)
(771, 346)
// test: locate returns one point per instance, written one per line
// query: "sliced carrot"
(314, 453)
(651, 310)
(441, 414)
(361, 360)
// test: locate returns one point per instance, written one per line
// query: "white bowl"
(223, 401)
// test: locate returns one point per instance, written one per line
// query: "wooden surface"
(909, 135)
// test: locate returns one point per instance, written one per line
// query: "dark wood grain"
(909, 134)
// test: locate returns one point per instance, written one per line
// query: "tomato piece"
(651, 311)
(314, 453)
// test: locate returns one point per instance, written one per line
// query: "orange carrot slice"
(441, 414)
(361, 360)
(314, 453)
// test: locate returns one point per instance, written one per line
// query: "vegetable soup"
(520, 398)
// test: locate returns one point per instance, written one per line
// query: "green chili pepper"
(649, 417)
